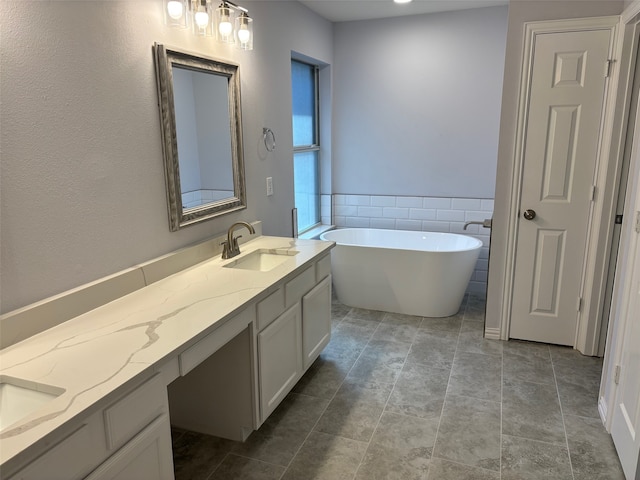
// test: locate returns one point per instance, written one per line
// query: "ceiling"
(348, 10)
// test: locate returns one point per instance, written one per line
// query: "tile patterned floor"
(401, 397)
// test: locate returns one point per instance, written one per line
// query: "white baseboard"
(492, 333)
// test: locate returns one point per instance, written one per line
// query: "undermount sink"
(262, 260)
(19, 398)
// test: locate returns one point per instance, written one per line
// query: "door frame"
(625, 113)
(600, 228)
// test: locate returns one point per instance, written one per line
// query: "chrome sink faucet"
(230, 246)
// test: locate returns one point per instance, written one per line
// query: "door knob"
(529, 214)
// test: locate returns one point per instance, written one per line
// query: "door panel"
(625, 425)
(562, 130)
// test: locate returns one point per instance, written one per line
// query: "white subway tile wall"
(426, 214)
(195, 198)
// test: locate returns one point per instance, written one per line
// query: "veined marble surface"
(94, 354)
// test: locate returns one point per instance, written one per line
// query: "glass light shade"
(244, 32)
(202, 18)
(175, 13)
(224, 24)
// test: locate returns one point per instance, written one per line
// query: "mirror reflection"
(202, 136)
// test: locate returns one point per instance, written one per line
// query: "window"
(306, 147)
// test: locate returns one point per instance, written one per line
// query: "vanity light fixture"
(401, 1)
(230, 23)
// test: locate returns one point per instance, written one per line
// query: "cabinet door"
(148, 456)
(280, 359)
(316, 321)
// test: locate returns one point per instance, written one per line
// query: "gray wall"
(82, 186)
(417, 104)
(521, 11)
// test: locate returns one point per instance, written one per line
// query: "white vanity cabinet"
(316, 321)
(231, 344)
(129, 438)
(279, 359)
(294, 325)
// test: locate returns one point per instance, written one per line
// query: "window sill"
(315, 232)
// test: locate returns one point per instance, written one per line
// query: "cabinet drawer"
(323, 268)
(72, 458)
(296, 288)
(270, 308)
(129, 415)
(196, 354)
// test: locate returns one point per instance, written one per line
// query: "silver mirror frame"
(178, 216)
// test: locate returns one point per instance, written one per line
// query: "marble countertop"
(94, 354)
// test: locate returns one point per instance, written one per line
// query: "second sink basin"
(19, 398)
(262, 260)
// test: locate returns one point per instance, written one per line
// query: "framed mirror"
(201, 126)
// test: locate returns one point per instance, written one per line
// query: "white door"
(562, 131)
(625, 426)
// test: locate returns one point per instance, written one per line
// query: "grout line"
(446, 392)
(564, 426)
(213, 470)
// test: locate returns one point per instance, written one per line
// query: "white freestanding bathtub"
(415, 273)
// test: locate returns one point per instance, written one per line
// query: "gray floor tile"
(401, 319)
(419, 391)
(524, 459)
(428, 336)
(568, 356)
(326, 457)
(593, 455)
(241, 468)
(350, 419)
(576, 399)
(446, 324)
(339, 311)
(374, 316)
(587, 375)
(472, 340)
(444, 470)
(367, 392)
(278, 448)
(295, 412)
(469, 432)
(395, 332)
(433, 349)
(476, 375)
(528, 368)
(344, 347)
(357, 331)
(322, 379)
(196, 455)
(381, 361)
(400, 449)
(475, 308)
(532, 410)
(526, 349)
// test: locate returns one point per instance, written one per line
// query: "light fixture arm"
(227, 3)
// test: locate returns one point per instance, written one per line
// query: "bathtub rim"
(478, 245)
